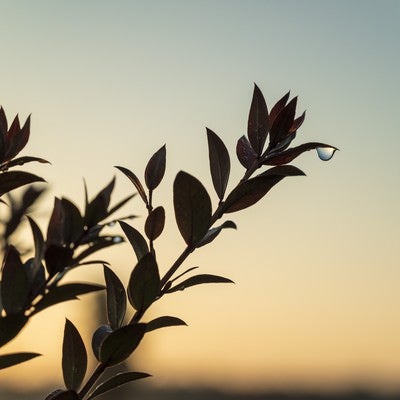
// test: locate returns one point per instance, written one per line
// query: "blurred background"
(315, 307)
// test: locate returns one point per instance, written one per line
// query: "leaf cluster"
(30, 286)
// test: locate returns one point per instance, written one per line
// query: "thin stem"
(183, 256)
(176, 265)
(92, 380)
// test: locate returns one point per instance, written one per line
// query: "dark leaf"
(220, 163)
(69, 291)
(12, 139)
(245, 153)
(289, 155)
(117, 380)
(258, 122)
(278, 107)
(55, 229)
(30, 196)
(73, 221)
(155, 223)
(163, 322)
(199, 280)
(98, 338)
(282, 170)
(120, 344)
(297, 122)
(22, 160)
(15, 283)
(144, 283)
(92, 234)
(282, 123)
(14, 179)
(39, 246)
(8, 360)
(135, 180)
(101, 243)
(10, 326)
(250, 192)
(135, 238)
(192, 206)
(120, 204)
(116, 299)
(63, 395)
(74, 357)
(57, 258)
(214, 232)
(36, 277)
(155, 169)
(96, 210)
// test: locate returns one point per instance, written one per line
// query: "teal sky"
(316, 264)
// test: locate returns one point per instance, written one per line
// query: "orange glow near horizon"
(315, 264)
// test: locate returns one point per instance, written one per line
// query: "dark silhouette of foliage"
(32, 285)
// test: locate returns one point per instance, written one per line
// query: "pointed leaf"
(116, 299)
(101, 243)
(10, 326)
(117, 380)
(155, 223)
(250, 192)
(258, 123)
(144, 283)
(39, 246)
(96, 210)
(55, 229)
(14, 179)
(278, 107)
(15, 283)
(12, 139)
(214, 232)
(220, 163)
(74, 357)
(245, 153)
(8, 360)
(164, 322)
(120, 204)
(73, 221)
(135, 238)
(283, 122)
(135, 180)
(199, 280)
(192, 206)
(155, 169)
(289, 155)
(21, 161)
(57, 258)
(120, 344)
(297, 122)
(69, 291)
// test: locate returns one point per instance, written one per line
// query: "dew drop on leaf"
(117, 239)
(325, 153)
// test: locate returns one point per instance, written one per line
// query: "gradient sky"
(316, 265)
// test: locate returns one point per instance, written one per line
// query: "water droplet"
(326, 153)
(112, 223)
(117, 239)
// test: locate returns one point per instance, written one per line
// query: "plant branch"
(92, 380)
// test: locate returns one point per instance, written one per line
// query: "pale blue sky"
(109, 82)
